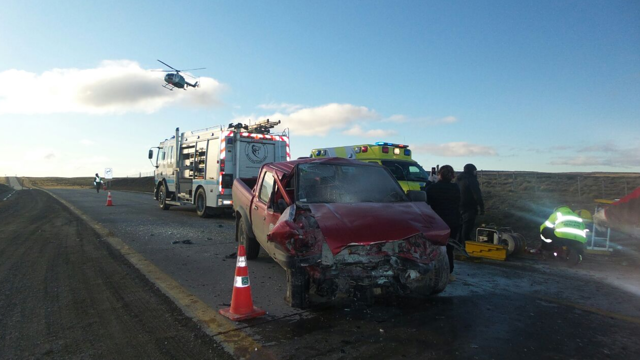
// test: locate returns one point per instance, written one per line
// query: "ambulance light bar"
(361, 149)
(391, 144)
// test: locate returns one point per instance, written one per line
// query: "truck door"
(251, 155)
(263, 218)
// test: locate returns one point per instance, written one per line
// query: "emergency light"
(385, 149)
(391, 144)
(396, 151)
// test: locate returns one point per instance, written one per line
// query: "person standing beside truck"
(470, 200)
(97, 182)
(444, 198)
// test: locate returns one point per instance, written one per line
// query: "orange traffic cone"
(241, 304)
(109, 202)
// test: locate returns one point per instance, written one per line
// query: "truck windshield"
(406, 170)
(331, 183)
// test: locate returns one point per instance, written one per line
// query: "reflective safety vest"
(97, 180)
(565, 224)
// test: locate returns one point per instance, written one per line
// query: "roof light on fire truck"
(318, 152)
(365, 149)
(385, 149)
(407, 152)
(396, 151)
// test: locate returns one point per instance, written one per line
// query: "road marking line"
(5, 199)
(230, 336)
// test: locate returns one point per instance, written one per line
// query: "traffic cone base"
(241, 304)
(239, 317)
(109, 202)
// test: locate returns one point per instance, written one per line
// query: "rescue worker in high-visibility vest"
(97, 181)
(564, 228)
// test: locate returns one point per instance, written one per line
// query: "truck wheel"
(251, 245)
(201, 204)
(297, 288)
(439, 277)
(162, 198)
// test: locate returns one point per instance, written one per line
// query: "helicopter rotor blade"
(167, 65)
(193, 69)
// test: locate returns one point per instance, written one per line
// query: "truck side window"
(266, 188)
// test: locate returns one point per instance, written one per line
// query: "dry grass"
(144, 184)
(4, 180)
(58, 182)
(523, 201)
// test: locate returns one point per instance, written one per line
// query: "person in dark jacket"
(470, 200)
(444, 198)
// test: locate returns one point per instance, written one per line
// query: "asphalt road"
(490, 312)
(65, 293)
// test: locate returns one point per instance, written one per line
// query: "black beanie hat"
(470, 168)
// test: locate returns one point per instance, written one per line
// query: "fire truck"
(396, 157)
(198, 167)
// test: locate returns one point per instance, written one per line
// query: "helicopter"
(175, 80)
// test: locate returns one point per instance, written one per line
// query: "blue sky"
(531, 85)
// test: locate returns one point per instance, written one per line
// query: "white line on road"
(5, 199)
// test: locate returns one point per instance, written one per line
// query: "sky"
(551, 86)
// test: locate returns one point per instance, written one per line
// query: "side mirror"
(227, 181)
(150, 154)
(417, 195)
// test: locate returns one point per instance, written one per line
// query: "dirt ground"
(64, 293)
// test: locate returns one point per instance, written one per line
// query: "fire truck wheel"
(162, 198)
(251, 245)
(201, 204)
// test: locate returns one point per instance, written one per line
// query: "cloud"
(320, 120)
(113, 87)
(609, 155)
(579, 161)
(86, 142)
(605, 148)
(445, 120)
(288, 108)
(373, 133)
(398, 118)
(454, 149)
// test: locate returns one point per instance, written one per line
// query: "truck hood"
(367, 223)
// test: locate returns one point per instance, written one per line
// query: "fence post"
(625, 187)
(579, 190)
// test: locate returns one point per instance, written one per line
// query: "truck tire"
(439, 276)
(297, 288)
(162, 197)
(251, 245)
(201, 204)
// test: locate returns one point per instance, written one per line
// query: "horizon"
(549, 87)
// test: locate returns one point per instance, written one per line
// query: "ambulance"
(395, 157)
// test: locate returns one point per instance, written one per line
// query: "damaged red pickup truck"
(341, 228)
